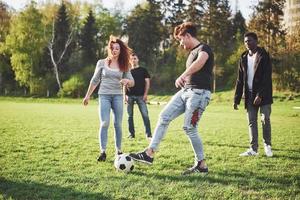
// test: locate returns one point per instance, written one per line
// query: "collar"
(196, 46)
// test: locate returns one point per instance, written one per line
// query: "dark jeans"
(144, 111)
(265, 111)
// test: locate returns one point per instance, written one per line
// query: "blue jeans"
(191, 102)
(144, 112)
(112, 102)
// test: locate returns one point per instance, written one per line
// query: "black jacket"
(262, 80)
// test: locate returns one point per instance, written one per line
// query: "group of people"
(121, 70)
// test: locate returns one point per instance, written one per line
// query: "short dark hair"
(134, 54)
(251, 34)
(186, 27)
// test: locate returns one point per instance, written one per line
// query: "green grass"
(48, 150)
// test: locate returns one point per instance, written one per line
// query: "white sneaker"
(149, 139)
(249, 152)
(268, 151)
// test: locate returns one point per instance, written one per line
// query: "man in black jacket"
(254, 81)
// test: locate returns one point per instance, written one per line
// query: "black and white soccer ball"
(124, 163)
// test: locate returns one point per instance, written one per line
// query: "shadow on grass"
(288, 157)
(225, 145)
(293, 157)
(245, 180)
(32, 190)
(287, 150)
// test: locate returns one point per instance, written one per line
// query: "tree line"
(51, 49)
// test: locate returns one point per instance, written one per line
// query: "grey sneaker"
(196, 169)
(142, 157)
(249, 152)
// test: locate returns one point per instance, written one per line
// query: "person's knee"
(265, 119)
(117, 124)
(252, 120)
(104, 124)
(144, 113)
(145, 116)
(190, 130)
(164, 120)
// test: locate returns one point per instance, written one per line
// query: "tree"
(239, 24)
(144, 30)
(6, 73)
(88, 40)
(173, 11)
(217, 32)
(195, 11)
(266, 21)
(288, 73)
(25, 42)
(107, 25)
(60, 42)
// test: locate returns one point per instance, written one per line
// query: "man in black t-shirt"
(138, 94)
(191, 100)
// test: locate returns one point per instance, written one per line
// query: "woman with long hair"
(112, 73)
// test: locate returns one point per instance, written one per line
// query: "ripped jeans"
(191, 102)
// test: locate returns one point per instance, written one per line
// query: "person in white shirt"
(254, 81)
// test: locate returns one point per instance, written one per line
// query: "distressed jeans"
(191, 102)
(144, 112)
(107, 103)
(265, 112)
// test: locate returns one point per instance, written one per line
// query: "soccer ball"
(124, 163)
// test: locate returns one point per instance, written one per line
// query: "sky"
(244, 5)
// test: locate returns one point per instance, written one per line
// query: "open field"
(48, 150)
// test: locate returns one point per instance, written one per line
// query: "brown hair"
(125, 51)
(182, 29)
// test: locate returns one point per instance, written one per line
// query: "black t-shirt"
(202, 79)
(139, 74)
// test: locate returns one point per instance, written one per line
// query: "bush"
(74, 87)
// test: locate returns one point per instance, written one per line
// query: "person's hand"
(179, 82)
(126, 99)
(124, 81)
(235, 106)
(145, 97)
(257, 100)
(85, 101)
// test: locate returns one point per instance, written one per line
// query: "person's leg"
(117, 107)
(253, 132)
(104, 111)
(104, 115)
(144, 112)
(196, 102)
(130, 104)
(265, 111)
(173, 109)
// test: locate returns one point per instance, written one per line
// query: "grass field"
(48, 150)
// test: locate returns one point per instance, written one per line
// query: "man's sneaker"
(196, 169)
(131, 137)
(142, 157)
(249, 152)
(268, 151)
(149, 138)
(102, 157)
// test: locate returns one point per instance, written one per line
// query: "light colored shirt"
(250, 70)
(108, 78)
